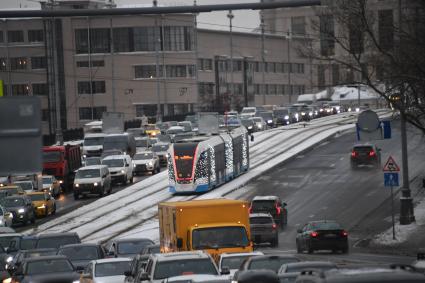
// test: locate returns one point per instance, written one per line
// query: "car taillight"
(353, 154)
(344, 233)
(250, 209)
(372, 153)
(274, 226)
(314, 234)
(278, 210)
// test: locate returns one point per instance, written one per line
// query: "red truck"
(61, 162)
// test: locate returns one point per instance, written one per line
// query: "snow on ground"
(402, 232)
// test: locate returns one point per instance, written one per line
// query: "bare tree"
(382, 47)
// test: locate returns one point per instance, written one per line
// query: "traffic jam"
(200, 240)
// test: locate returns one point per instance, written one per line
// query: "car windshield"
(25, 185)
(5, 240)
(36, 197)
(170, 268)
(55, 242)
(93, 141)
(159, 148)
(47, 180)
(143, 156)
(12, 202)
(12, 191)
(233, 262)
(256, 119)
(115, 142)
(299, 268)
(134, 247)
(113, 162)
(266, 115)
(150, 127)
(247, 123)
(164, 138)
(111, 268)
(325, 226)
(51, 156)
(281, 112)
(362, 149)
(219, 237)
(93, 161)
(248, 110)
(39, 253)
(260, 205)
(48, 266)
(272, 264)
(87, 173)
(29, 243)
(260, 220)
(175, 131)
(142, 143)
(79, 253)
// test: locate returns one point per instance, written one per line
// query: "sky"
(244, 21)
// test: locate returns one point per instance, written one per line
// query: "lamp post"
(232, 88)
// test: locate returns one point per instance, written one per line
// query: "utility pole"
(196, 108)
(288, 39)
(90, 71)
(232, 86)
(263, 60)
(406, 202)
(114, 107)
(157, 41)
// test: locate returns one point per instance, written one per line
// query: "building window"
(386, 29)
(40, 89)
(148, 110)
(97, 87)
(123, 40)
(356, 35)
(279, 90)
(88, 113)
(205, 64)
(272, 89)
(179, 71)
(36, 35)
(327, 35)
(20, 89)
(94, 63)
(15, 36)
(177, 38)
(45, 115)
(38, 62)
(297, 68)
(144, 38)
(146, 71)
(237, 65)
(19, 63)
(298, 25)
(321, 80)
(335, 74)
(99, 41)
(3, 64)
(205, 88)
(1, 36)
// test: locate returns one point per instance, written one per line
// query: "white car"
(248, 112)
(5, 217)
(233, 261)
(146, 161)
(260, 124)
(94, 179)
(27, 186)
(197, 278)
(120, 167)
(108, 270)
(93, 144)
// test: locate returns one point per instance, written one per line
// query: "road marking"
(332, 165)
(311, 216)
(342, 158)
(300, 156)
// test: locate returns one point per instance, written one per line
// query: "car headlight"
(76, 281)
(95, 184)
(122, 171)
(60, 182)
(357, 109)
(286, 117)
(349, 109)
(42, 207)
(9, 259)
(321, 110)
(269, 121)
(77, 185)
(150, 163)
(302, 113)
(260, 126)
(21, 210)
(310, 114)
(249, 127)
(1, 222)
(296, 115)
(84, 156)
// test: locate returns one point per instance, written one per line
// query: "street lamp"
(231, 16)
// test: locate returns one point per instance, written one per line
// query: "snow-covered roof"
(352, 93)
(306, 97)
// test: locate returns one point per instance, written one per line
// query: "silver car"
(146, 161)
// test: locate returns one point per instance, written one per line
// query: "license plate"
(330, 236)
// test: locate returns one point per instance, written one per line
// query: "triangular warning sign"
(391, 166)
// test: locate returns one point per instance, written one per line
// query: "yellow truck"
(215, 225)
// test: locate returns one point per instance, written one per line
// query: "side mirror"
(128, 273)
(179, 243)
(225, 270)
(284, 204)
(79, 269)
(299, 231)
(127, 165)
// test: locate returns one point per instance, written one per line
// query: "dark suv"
(263, 229)
(365, 154)
(272, 205)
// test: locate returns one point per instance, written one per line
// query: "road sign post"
(391, 179)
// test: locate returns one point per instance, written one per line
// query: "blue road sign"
(391, 179)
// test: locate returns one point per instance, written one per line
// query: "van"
(123, 142)
(94, 179)
(93, 144)
(120, 167)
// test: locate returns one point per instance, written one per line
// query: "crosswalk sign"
(391, 180)
(391, 166)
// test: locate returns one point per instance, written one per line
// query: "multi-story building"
(97, 64)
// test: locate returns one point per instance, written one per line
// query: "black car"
(21, 207)
(322, 235)
(365, 154)
(127, 247)
(249, 125)
(268, 118)
(48, 269)
(151, 249)
(56, 240)
(139, 262)
(272, 262)
(257, 276)
(24, 254)
(263, 229)
(82, 254)
(272, 205)
(307, 265)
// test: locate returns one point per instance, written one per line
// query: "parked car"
(45, 268)
(56, 240)
(92, 179)
(82, 254)
(127, 247)
(365, 154)
(51, 185)
(233, 261)
(120, 167)
(264, 229)
(272, 205)
(146, 161)
(105, 270)
(322, 235)
(21, 208)
(162, 266)
(5, 217)
(44, 204)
